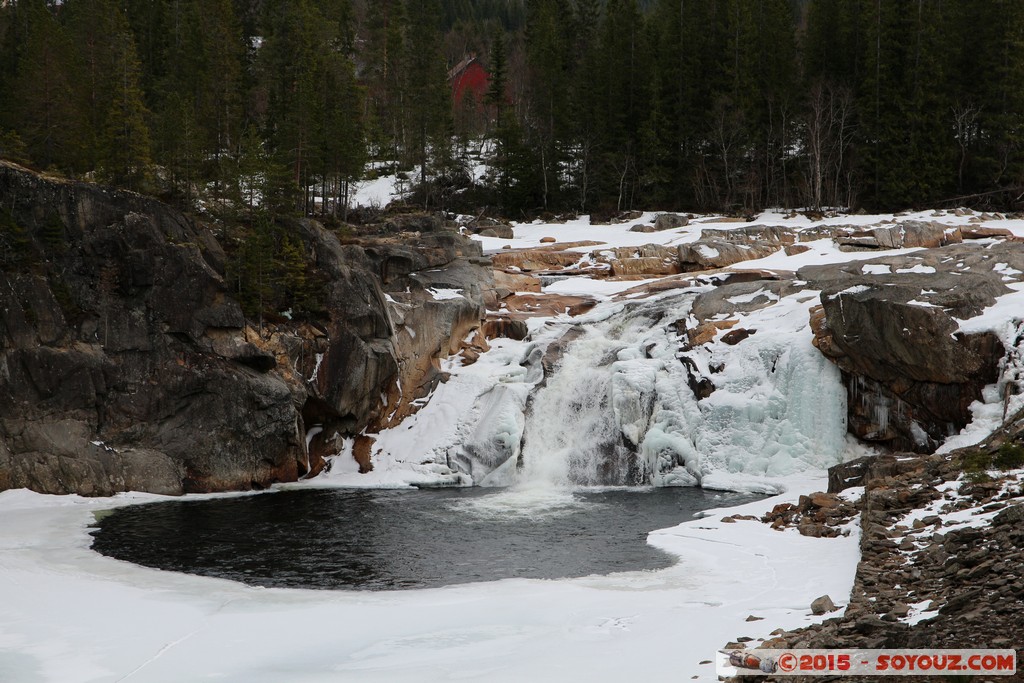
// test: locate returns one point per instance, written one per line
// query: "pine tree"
(46, 118)
(384, 55)
(548, 60)
(93, 26)
(290, 60)
(429, 113)
(907, 148)
(342, 141)
(125, 155)
(621, 88)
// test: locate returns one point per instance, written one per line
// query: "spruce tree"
(125, 153)
(427, 92)
(45, 115)
(907, 147)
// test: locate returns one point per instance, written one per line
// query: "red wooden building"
(469, 78)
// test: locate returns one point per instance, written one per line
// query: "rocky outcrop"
(905, 235)
(938, 556)
(126, 362)
(892, 326)
(721, 248)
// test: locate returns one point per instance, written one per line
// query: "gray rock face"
(126, 364)
(891, 325)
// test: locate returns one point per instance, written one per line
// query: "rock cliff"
(892, 325)
(127, 364)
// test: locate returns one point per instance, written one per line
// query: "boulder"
(973, 232)
(506, 283)
(708, 254)
(414, 222)
(650, 265)
(740, 297)
(489, 227)
(504, 232)
(734, 337)
(823, 605)
(668, 221)
(531, 305)
(754, 234)
(532, 260)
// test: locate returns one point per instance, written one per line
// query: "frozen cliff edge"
(735, 378)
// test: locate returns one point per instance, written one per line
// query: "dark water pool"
(379, 539)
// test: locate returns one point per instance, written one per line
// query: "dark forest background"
(239, 108)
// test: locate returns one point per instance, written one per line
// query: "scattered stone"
(734, 337)
(547, 240)
(668, 221)
(643, 227)
(823, 605)
(753, 618)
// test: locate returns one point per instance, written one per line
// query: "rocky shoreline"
(942, 551)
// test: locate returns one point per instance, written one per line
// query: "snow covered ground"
(71, 615)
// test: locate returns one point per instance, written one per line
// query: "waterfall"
(621, 407)
(571, 437)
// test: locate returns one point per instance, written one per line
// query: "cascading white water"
(620, 408)
(569, 422)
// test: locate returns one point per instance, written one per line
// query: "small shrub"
(978, 477)
(976, 462)
(1010, 457)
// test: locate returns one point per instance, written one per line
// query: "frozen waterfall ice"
(620, 407)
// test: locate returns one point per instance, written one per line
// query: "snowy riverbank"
(72, 615)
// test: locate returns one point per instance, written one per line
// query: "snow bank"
(71, 615)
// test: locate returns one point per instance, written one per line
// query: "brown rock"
(823, 605)
(529, 305)
(547, 240)
(734, 337)
(362, 451)
(982, 232)
(644, 266)
(529, 260)
(705, 332)
(825, 500)
(512, 282)
(707, 254)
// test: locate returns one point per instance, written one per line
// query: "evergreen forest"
(240, 108)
